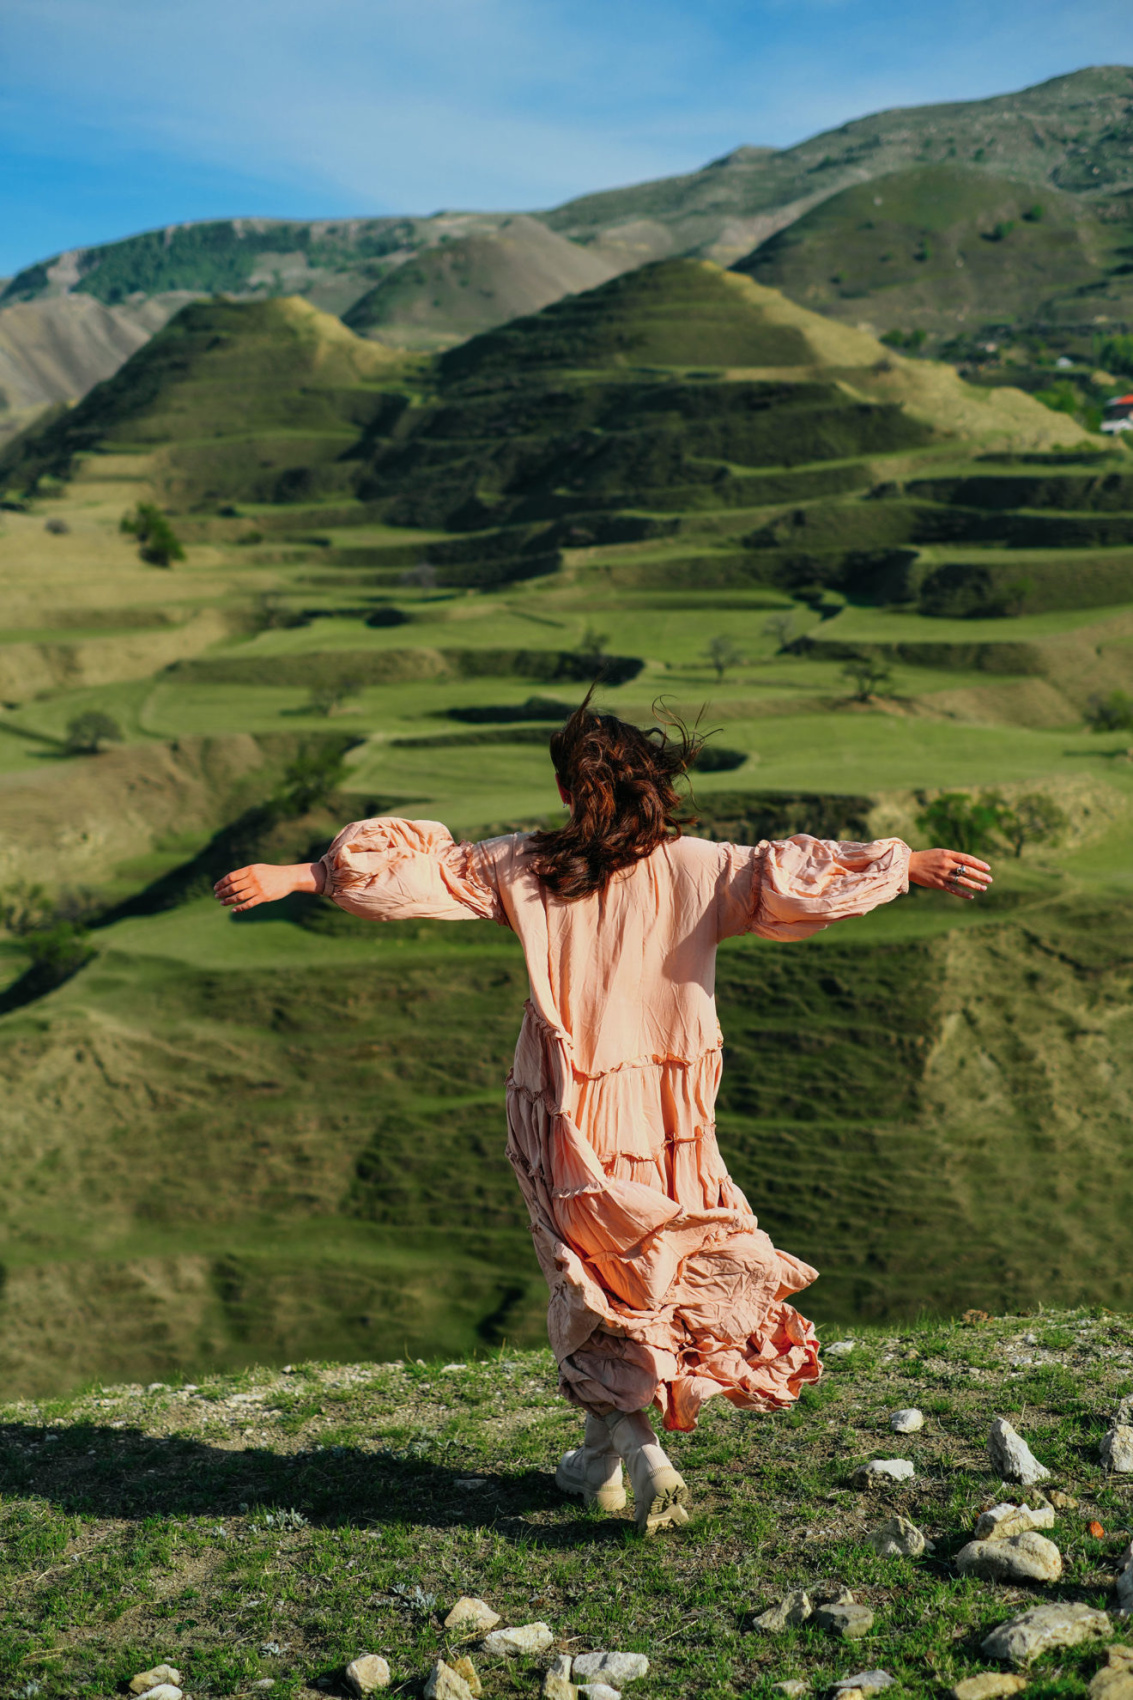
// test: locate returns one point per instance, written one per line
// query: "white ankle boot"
(593, 1469)
(659, 1491)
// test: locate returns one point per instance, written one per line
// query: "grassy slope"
(931, 247)
(249, 1124)
(143, 1525)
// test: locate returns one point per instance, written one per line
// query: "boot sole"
(606, 1499)
(665, 1507)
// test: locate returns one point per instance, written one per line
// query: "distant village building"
(1118, 414)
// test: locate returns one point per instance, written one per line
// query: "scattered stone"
(794, 1687)
(527, 1638)
(1114, 1681)
(365, 1674)
(265, 1683)
(1029, 1557)
(867, 1681)
(1062, 1501)
(834, 1595)
(849, 1621)
(899, 1539)
(881, 1470)
(560, 1665)
(1117, 1448)
(1124, 1583)
(471, 1617)
(907, 1421)
(1042, 1628)
(599, 1691)
(465, 1668)
(837, 1348)
(1005, 1520)
(992, 1685)
(147, 1679)
(852, 1693)
(1012, 1457)
(556, 1687)
(1123, 1416)
(163, 1691)
(793, 1608)
(444, 1684)
(609, 1667)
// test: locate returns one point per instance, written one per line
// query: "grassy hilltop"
(274, 1526)
(238, 1140)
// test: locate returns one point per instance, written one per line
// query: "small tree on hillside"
(87, 732)
(1033, 819)
(158, 543)
(1112, 713)
(312, 778)
(962, 822)
(868, 675)
(721, 653)
(592, 644)
(328, 699)
(779, 627)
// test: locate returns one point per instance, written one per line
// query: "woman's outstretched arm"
(267, 882)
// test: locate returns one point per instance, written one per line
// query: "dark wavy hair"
(624, 800)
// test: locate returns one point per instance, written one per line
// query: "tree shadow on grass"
(94, 1471)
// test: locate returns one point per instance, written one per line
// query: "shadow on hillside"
(95, 1471)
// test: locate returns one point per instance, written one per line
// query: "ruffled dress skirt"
(663, 1288)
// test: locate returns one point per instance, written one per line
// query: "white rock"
(599, 1691)
(880, 1470)
(367, 1672)
(899, 1539)
(1123, 1416)
(793, 1608)
(907, 1421)
(556, 1687)
(991, 1685)
(1012, 1457)
(1042, 1628)
(162, 1691)
(471, 1617)
(869, 1681)
(849, 1621)
(609, 1667)
(147, 1679)
(560, 1666)
(1029, 1557)
(1117, 1448)
(794, 1688)
(837, 1348)
(527, 1638)
(1005, 1519)
(444, 1684)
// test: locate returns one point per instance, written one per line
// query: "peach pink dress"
(664, 1288)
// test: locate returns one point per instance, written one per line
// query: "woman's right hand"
(949, 870)
(265, 882)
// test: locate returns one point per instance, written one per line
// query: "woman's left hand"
(949, 870)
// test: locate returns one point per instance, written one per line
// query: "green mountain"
(426, 282)
(940, 249)
(447, 293)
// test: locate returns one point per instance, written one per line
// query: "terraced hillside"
(230, 1140)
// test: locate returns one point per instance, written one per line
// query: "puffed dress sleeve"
(411, 870)
(794, 888)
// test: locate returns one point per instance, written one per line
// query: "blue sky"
(119, 115)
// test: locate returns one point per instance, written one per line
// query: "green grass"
(272, 1525)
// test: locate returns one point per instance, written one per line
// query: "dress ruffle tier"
(663, 1287)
